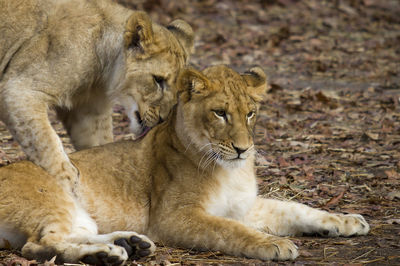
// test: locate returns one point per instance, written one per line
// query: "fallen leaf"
(335, 200)
(373, 136)
(306, 254)
(298, 143)
(260, 160)
(274, 87)
(282, 162)
(51, 262)
(392, 174)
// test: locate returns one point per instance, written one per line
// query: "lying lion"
(190, 182)
(79, 57)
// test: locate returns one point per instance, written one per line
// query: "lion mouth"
(144, 132)
(144, 129)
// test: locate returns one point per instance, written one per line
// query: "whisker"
(201, 159)
(204, 146)
(209, 159)
(213, 159)
(201, 148)
(217, 155)
(191, 142)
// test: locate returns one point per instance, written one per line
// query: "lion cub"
(190, 182)
(79, 57)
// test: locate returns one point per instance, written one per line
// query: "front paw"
(103, 254)
(344, 225)
(276, 248)
(136, 246)
(285, 249)
(353, 225)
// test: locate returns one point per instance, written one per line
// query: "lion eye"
(220, 113)
(161, 82)
(250, 114)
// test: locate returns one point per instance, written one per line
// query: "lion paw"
(353, 224)
(284, 249)
(344, 225)
(136, 246)
(277, 249)
(106, 254)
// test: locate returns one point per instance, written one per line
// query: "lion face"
(154, 56)
(218, 109)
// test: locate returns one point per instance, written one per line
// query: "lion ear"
(138, 31)
(256, 80)
(192, 83)
(184, 33)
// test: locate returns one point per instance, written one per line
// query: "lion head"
(153, 56)
(217, 112)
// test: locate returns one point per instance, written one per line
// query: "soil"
(328, 134)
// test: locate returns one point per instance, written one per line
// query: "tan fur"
(79, 57)
(190, 182)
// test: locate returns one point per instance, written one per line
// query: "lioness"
(79, 56)
(190, 182)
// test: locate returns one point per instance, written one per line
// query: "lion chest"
(233, 194)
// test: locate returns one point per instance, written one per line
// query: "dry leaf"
(373, 136)
(335, 200)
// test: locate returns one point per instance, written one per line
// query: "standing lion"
(78, 57)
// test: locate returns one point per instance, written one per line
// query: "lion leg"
(76, 240)
(30, 126)
(47, 221)
(291, 218)
(195, 228)
(65, 252)
(59, 243)
(88, 125)
(52, 221)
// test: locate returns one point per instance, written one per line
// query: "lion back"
(16, 27)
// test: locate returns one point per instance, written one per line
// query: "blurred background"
(357, 40)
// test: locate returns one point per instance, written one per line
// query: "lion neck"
(169, 137)
(173, 131)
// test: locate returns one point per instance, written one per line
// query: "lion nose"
(239, 150)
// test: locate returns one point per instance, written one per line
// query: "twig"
(363, 255)
(333, 254)
(370, 261)
(295, 196)
(325, 250)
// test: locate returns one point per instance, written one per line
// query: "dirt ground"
(328, 133)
